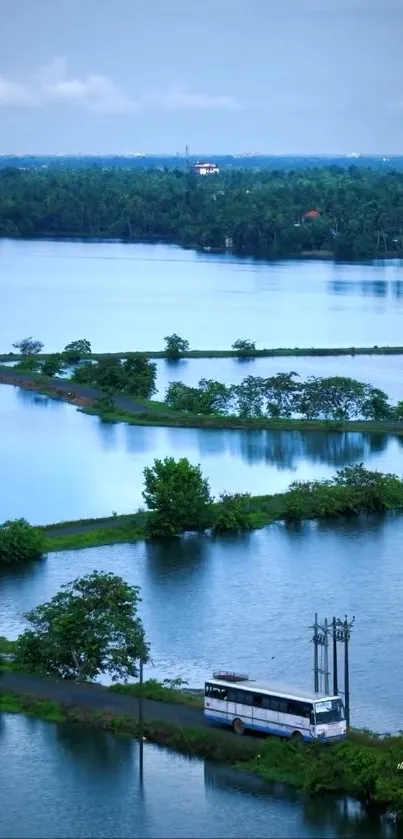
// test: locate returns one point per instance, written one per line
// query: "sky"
(223, 76)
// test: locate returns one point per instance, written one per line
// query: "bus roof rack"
(229, 676)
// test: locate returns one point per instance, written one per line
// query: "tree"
(175, 345)
(28, 346)
(250, 396)
(77, 350)
(244, 347)
(136, 375)
(210, 397)
(178, 496)
(19, 541)
(333, 397)
(53, 366)
(181, 397)
(88, 628)
(139, 375)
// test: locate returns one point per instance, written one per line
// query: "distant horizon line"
(205, 155)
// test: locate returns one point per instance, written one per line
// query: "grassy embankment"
(364, 765)
(268, 352)
(88, 533)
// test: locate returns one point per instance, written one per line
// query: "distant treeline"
(358, 211)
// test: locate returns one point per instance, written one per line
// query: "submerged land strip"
(270, 352)
(365, 765)
(135, 411)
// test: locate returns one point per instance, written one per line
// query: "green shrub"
(233, 513)
(19, 541)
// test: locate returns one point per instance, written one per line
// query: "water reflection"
(29, 397)
(343, 817)
(92, 752)
(79, 782)
(87, 468)
(176, 557)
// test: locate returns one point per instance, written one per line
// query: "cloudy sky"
(274, 76)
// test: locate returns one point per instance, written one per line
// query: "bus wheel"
(297, 737)
(238, 726)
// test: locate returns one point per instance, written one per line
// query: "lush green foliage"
(19, 541)
(353, 490)
(178, 496)
(175, 345)
(210, 397)
(263, 212)
(77, 350)
(28, 346)
(88, 628)
(233, 513)
(135, 375)
(335, 398)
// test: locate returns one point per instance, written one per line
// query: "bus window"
(215, 691)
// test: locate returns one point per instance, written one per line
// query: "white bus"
(235, 700)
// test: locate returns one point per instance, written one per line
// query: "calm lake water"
(59, 464)
(247, 603)
(82, 784)
(126, 297)
(380, 371)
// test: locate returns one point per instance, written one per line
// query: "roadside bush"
(29, 363)
(233, 513)
(53, 366)
(19, 541)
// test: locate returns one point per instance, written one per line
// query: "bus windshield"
(329, 711)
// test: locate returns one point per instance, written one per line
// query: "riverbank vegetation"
(351, 213)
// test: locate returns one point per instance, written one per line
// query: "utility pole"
(326, 657)
(334, 636)
(343, 635)
(321, 639)
(315, 656)
(141, 743)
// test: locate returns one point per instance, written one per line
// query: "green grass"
(45, 709)
(187, 420)
(159, 692)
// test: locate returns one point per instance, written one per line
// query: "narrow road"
(97, 696)
(64, 387)
(100, 698)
